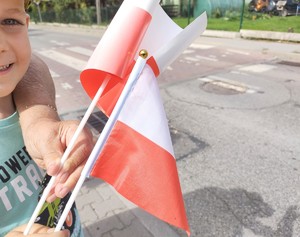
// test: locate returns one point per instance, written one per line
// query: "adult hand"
(37, 231)
(47, 147)
(45, 136)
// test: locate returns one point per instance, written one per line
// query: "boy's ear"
(27, 20)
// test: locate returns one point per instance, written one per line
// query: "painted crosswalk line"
(64, 59)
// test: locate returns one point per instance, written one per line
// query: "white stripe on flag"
(144, 111)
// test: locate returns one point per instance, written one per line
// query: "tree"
(37, 3)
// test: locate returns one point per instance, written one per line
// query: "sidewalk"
(104, 213)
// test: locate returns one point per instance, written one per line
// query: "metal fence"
(187, 8)
(217, 8)
(85, 16)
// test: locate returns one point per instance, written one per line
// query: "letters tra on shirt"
(19, 179)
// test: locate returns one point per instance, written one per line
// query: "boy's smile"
(6, 67)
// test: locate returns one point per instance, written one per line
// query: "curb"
(221, 34)
(70, 25)
(255, 34)
(270, 35)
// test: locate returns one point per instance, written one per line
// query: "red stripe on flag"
(93, 79)
(144, 173)
(114, 58)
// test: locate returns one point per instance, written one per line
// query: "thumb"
(51, 155)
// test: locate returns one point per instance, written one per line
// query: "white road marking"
(207, 58)
(238, 51)
(258, 68)
(54, 74)
(59, 43)
(230, 84)
(64, 59)
(192, 59)
(66, 86)
(201, 46)
(81, 50)
(188, 51)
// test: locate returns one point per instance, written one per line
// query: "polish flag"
(137, 158)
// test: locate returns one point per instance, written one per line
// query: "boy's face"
(15, 51)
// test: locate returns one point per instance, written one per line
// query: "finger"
(52, 156)
(65, 183)
(68, 176)
(62, 233)
(35, 228)
(64, 187)
(38, 230)
(79, 154)
(51, 196)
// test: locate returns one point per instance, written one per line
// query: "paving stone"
(105, 208)
(103, 226)
(87, 215)
(87, 198)
(135, 229)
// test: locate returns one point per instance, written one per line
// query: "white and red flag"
(137, 158)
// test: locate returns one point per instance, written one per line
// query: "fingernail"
(53, 168)
(63, 192)
(51, 198)
(63, 178)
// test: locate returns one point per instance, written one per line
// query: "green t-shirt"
(20, 184)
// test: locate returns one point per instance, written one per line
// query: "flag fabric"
(138, 158)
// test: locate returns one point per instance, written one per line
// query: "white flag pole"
(66, 154)
(134, 75)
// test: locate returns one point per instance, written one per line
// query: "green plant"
(232, 15)
(217, 13)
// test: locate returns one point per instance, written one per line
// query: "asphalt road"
(233, 107)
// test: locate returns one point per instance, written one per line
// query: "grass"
(260, 22)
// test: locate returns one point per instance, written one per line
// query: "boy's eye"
(11, 22)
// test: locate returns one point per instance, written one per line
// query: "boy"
(19, 175)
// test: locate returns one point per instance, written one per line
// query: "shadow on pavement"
(218, 212)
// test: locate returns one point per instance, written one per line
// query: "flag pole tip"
(143, 53)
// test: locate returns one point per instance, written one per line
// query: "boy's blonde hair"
(26, 4)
